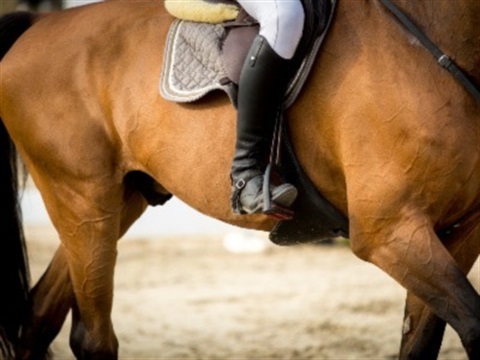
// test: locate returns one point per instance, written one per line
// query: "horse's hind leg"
(423, 331)
(87, 215)
(89, 238)
(92, 333)
(51, 300)
(52, 297)
(409, 250)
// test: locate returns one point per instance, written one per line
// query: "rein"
(442, 59)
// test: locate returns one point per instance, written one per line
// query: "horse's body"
(389, 137)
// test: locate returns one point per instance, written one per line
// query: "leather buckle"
(240, 184)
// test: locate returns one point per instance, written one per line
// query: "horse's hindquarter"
(62, 98)
(69, 84)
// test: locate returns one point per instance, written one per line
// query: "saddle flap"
(315, 217)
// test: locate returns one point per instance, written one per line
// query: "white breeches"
(281, 23)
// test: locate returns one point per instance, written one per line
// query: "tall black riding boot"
(263, 82)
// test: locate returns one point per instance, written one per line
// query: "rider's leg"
(263, 82)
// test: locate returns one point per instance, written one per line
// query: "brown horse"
(387, 135)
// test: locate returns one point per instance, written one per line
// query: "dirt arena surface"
(191, 298)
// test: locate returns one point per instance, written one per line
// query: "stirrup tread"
(278, 212)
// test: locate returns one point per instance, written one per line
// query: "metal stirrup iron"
(269, 207)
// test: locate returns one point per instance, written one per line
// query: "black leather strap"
(440, 56)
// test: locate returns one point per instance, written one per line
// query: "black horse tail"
(14, 270)
(12, 26)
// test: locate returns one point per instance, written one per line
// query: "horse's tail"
(14, 271)
(12, 26)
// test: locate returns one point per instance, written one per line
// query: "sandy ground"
(190, 298)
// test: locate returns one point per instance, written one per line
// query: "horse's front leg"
(423, 331)
(406, 247)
